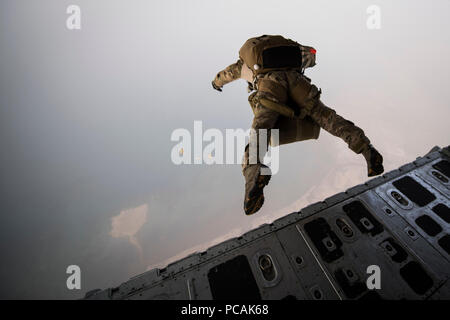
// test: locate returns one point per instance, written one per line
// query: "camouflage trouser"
(263, 119)
(292, 87)
(327, 119)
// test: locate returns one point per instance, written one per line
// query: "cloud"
(345, 170)
(128, 223)
(348, 170)
(236, 232)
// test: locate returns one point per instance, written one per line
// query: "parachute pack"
(274, 52)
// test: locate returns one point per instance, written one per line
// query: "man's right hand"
(216, 87)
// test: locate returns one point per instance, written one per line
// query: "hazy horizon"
(87, 117)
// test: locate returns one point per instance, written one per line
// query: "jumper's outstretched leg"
(254, 180)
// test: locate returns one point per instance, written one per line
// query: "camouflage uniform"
(290, 88)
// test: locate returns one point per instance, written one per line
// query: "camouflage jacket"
(239, 70)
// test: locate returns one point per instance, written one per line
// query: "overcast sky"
(86, 118)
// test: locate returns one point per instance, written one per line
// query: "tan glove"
(216, 87)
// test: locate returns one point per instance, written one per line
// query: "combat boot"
(374, 161)
(254, 185)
